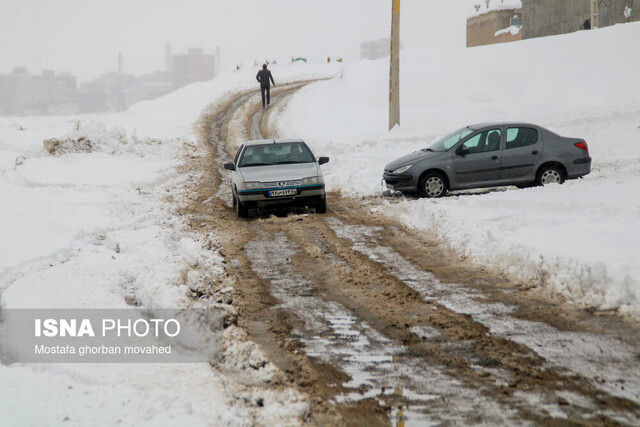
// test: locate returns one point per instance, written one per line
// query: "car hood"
(279, 172)
(411, 158)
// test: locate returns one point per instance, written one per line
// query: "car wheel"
(550, 175)
(321, 205)
(432, 185)
(240, 210)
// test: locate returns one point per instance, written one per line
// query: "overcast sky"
(85, 36)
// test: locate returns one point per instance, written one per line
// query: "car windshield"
(448, 141)
(276, 154)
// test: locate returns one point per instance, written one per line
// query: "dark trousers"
(266, 89)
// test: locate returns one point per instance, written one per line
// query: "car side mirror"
(230, 166)
(323, 160)
(462, 151)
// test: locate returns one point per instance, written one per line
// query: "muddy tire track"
(319, 292)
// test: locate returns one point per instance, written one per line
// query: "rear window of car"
(276, 154)
(521, 137)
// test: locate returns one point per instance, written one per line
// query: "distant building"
(48, 93)
(109, 93)
(117, 91)
(153, 85)
(494, 26)
(549, 17)
(22, 93)
(375, 49)
(193, 66)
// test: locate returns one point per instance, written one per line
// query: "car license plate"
(280, 193)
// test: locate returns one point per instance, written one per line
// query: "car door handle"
(494, 157)
(534, 152)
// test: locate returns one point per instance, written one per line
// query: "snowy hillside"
(578, 240)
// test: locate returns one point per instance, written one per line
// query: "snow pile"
(578, 240)
(93, 136)
(513, 30)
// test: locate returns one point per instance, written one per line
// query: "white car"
(274, 173)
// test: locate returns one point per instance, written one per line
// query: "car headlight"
(312, 180)
(252, 185)
(401, 170)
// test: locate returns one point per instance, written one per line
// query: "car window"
(276, 154)
(448, 141)
(489, 140)
(521, 137)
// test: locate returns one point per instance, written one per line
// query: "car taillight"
(582, 145)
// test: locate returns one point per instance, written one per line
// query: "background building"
(494, 26)
(48, 93)
(22, 93)
(375, 49)
(190, 67)
(549, 17)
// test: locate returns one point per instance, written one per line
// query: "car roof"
(271, 141)
(497, 123)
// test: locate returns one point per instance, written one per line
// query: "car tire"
(240, 210)
(432, 185)
(550, 174)
(321, 205)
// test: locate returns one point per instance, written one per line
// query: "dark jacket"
(263, 78)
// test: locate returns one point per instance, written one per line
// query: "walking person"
(265, 79)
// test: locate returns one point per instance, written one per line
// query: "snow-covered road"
(368, 317)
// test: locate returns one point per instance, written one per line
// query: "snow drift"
(578, 240)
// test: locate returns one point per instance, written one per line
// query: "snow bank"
(512, 29)
(88, 220)
(578, 240)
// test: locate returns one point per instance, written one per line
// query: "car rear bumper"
(261, 197)
(579, 168)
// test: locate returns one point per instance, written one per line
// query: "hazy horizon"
(84, 38)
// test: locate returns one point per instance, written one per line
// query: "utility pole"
(394, 70)
(594, 14)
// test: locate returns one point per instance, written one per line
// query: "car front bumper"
(404, 182)
(261, 197)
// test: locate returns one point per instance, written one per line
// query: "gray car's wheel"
(240, 210)
(550, 175)
(432, 185)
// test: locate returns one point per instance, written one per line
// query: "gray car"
(489, 155)
(276, 173)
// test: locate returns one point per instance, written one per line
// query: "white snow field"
(578, 240)
(92, 226)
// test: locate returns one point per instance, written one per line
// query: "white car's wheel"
(321, 205)
(240, 210)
